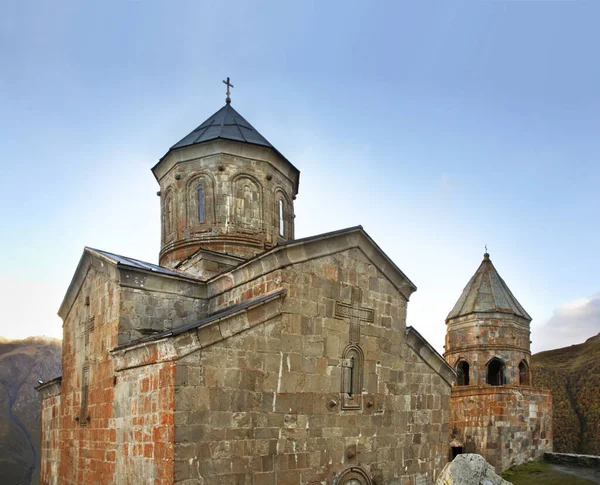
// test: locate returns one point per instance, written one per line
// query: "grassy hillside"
(573, 375)
(22, 364)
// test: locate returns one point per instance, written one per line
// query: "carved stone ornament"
(352, 476)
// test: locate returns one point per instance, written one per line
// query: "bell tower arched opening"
(495, 372)
(462, 372)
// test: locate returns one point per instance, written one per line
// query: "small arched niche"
(524, 376)
(462, 373)
(495, 375)
(352, 377)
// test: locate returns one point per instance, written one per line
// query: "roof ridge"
(239, 127)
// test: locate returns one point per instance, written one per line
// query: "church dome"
(224, 189)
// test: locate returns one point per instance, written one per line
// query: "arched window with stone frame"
(352, 377)
(200, 201)
(495, 372)
(283, 214)
(524, 375)
(168, 214)
(247, 202)
(462, 373)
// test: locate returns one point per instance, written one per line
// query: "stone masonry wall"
(87, 433)
(508, 425)
(146, 312)
(143, 419)
(49, 438)
(264, 406)
(151, 303)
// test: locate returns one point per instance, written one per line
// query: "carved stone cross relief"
(355, 313)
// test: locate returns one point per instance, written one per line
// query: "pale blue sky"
(440, 126)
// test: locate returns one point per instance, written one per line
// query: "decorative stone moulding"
(352, 476)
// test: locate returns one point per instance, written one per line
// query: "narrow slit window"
(85, 377)
(281, 221)
(200, 203)
(351, 379)
(169, 214)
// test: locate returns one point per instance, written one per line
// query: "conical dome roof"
(227, 124)
(486, 292)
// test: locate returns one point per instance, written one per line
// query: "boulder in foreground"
(469, 469)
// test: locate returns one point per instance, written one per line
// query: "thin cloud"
(571, 323)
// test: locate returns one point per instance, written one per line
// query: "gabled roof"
(486, 292)
(136, 263)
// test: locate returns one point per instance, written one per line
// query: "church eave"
(293, 174)
(429, 355)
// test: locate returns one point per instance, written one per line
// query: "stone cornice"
(484, 347)
(51, 388)
(232, 148)
(465, 391)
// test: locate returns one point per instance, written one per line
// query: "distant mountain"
(573, 375)
(22, 364)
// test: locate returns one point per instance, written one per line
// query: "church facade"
(245, 356)
(495, 410)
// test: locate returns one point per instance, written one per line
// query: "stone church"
(245, 356)
(249, 357)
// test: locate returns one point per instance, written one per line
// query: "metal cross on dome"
(229, 85)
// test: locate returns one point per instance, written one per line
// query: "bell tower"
(226, 195)
(487, 334)
(494, 409)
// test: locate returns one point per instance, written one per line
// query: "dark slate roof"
(136, 263)
(228, 124)
(206, 321)
(486, 292)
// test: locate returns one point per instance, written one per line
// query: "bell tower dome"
(224, 191)
(487, 334)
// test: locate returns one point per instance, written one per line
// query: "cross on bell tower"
(229, 85)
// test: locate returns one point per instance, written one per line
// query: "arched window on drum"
(200, 208)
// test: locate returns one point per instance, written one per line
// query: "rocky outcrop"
(469, 469)
(23, 363)
(573, 375)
